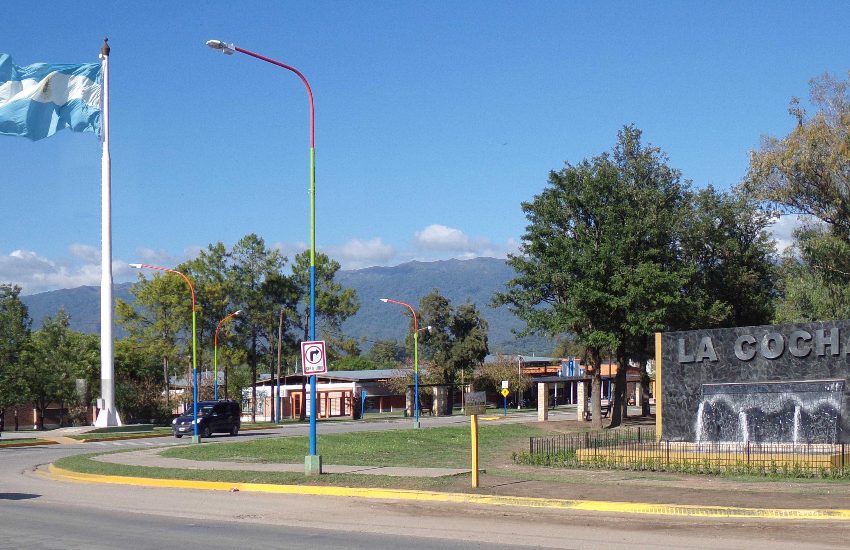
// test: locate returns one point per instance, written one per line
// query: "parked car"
(223, 416)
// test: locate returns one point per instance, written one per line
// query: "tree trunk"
(167, 388)
(253, 375)
(303, 413)
(271, 376)
(596, 390)
(39, 415)
(618, 406)
(279, 346)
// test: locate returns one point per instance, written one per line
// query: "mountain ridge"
(475, 280)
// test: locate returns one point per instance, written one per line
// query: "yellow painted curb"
(492, 500)
(27, 444)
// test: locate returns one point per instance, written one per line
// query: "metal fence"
(637, 449)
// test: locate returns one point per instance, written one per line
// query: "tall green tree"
(258, 289)
(14, 334)
(159, 321)
(334, 304)
(598, 258)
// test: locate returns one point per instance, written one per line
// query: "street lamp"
(313, 463)
(415, 356)
(195, 437)
(215, 352)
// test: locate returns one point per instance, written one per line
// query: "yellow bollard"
(474, 424)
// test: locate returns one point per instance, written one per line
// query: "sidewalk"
(152, 458)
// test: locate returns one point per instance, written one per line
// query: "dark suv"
(213, 417)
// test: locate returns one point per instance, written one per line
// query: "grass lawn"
(84, 464)
(443, 447)
(427, 447)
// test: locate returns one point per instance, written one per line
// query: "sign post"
(476, 403)
(505, 392)
(314, 360)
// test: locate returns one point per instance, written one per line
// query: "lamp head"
(226, 49)
(136, 266)
(385, 300)
(237, 312)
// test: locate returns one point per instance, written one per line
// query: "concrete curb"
(642, 508)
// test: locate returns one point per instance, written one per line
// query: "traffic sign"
(476, 403)
(505, 392)
(313, 357)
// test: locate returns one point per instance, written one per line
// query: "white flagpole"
(107, 416)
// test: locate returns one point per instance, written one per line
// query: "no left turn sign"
(313, 357)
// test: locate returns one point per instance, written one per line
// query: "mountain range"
(475, 280)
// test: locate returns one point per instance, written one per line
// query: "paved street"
(36, 512)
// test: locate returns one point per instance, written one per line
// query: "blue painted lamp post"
(229, 49)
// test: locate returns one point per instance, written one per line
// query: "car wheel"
(205, 433)
(234, 430)
(178, 436)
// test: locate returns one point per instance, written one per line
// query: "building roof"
(358, 375)
(526, 359)
(349, 375)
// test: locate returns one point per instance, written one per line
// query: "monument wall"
(772, 383)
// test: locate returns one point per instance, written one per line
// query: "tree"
(159, 321)
(598, 258)
(489, 376)
(808, 172)
(457, 341)
(334, 304)
(259, 290)
(14, 334)
(387, 352)
(51, 364)
(724, 237)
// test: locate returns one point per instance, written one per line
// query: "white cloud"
(783, 230)
(85, 252)
(440, 237)
(357, 253)
(34, 273)
(156, 257)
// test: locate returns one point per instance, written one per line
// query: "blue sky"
(434, 120)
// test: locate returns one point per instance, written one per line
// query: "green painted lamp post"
(415, 357)
(195, 437)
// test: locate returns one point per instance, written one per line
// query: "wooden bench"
(605, 411)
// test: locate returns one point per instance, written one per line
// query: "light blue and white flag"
(39, 99)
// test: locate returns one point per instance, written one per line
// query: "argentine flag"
(39, 99)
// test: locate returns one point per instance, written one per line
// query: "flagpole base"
(107, 418)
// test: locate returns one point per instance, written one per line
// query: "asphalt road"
(36, 512)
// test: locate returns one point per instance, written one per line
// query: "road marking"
(642, 508)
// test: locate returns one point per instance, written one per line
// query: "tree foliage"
(14, 335)
(808, 172)
(456, 342)
(598, 259)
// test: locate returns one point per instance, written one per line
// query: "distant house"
(339, 393)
